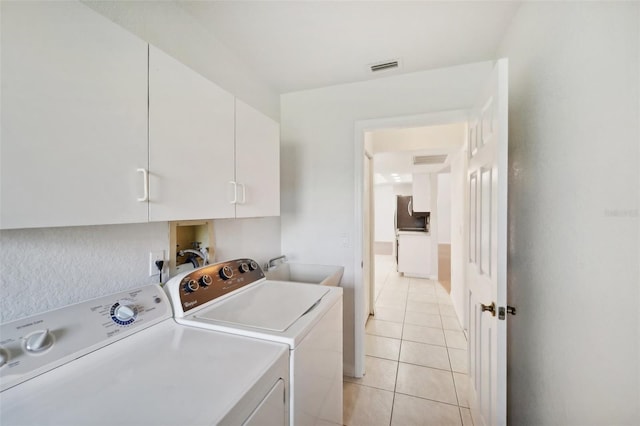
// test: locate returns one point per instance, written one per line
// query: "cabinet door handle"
(235, 192)
(145, 183)
(244, 193)
(409, 208)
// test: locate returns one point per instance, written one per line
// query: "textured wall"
(47, 268)
(574, 137)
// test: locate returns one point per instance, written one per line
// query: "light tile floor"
(416, 357)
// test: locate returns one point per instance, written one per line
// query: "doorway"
(363, 128)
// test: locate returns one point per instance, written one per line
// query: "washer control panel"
(34, 345)
(195, 288)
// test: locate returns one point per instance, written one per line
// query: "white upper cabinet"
(421, 191)
(191, 143)
(257, 163)
(74, 117)
(98, 127)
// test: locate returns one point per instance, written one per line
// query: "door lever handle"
(491, 308)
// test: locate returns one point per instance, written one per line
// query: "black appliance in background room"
(408, 220)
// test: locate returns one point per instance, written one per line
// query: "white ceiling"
(295, 45)
(393, 150)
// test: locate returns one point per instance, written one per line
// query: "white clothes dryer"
(123, 360)
(234, 297)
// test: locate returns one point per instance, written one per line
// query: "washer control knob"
(39, 341)
(124, 313)
(253, 265)
(4, 357)
(226, 272)
(191, 286)
(243, 268)
(205, 280)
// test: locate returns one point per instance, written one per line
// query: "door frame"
(360, 127)
(368, 234)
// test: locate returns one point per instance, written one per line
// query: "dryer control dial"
(206, 280)
(39, 341)
(123, 314)
(244, 267)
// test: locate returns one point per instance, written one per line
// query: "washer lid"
(273, 305)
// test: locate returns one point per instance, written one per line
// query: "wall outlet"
(153, 256)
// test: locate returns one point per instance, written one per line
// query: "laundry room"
(165, 164)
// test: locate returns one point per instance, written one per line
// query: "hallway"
(416, 357)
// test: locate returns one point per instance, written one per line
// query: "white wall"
(435, 139)
(256, 238)
(573, 213)
(49, 268)
(444, 208)
(459, 229)
(317, 157)
(385, 209)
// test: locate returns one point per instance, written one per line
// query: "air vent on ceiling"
(429, 159)
(382, 66)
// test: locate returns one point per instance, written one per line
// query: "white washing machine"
(234, 297)
(122, 360)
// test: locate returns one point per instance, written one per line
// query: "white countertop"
(418, 233)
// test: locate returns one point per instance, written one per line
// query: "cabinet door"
(257, 163)
(421, 189)
(191, 143)
(74, 117)
(414, 254)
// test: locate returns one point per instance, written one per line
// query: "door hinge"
(502, 311)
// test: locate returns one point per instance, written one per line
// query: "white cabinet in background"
(191, 143)
(421, 191)
(257, 163)
(414, 254)
(74, 117)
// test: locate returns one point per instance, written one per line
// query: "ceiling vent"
(429, 159)
(384, 66)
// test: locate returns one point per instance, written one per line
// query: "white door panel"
(486, 269)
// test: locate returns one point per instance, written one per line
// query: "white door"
(486, 266)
